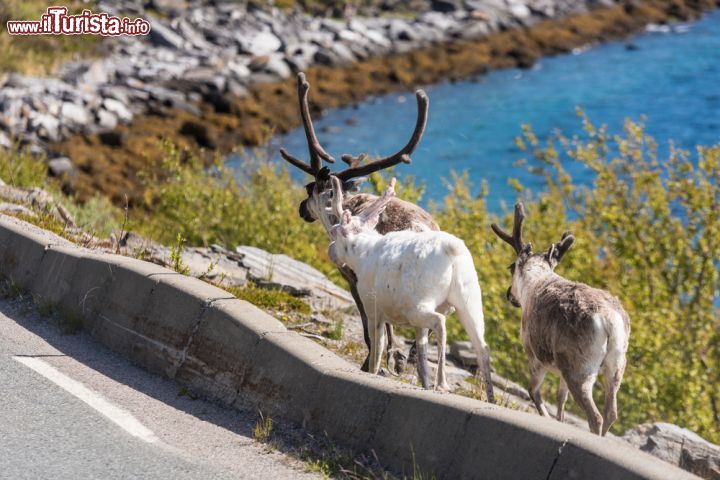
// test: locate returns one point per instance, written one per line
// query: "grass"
(270, 299)
(263, 428)
(39, 54)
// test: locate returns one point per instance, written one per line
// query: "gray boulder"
(106, 120)
(74, 114)
(61, 166)
(261, 43)
(118, 108)
(5, 140)
(163, 36)
(281, 271)
(678, 446)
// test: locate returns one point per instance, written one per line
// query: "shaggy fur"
(567, 327)
(398, 215)
(411, 279)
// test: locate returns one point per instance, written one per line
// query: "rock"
(300, 55)
(76, 114)
(258, 63)
(118, 108)
(474, 30)
(14, 209)
(236, 89)
(261, 43)
(239, 70)
(401, 30)
(47, 127)
(163, 36)
(337, 55)
(205, 76)
(5, 140)
(106, 120)
(281, 271)
(464, 353)
(320, 318)
(60, 166)
(519, 10)
(276, 66)
(86, 73)
(172, 8)
(678, 446)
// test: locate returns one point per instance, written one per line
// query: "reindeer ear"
(346, 217)
(353, 185)
(560, 249)
(551, 253)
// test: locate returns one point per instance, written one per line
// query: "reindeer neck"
(359, 245)
(535, 278)
(357, 203)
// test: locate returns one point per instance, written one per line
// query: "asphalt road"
(72, 409)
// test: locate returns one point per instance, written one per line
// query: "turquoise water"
(673, 77)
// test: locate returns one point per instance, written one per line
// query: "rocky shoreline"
(218, 75)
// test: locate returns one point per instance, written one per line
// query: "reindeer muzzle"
(305, 212)
(511, 298)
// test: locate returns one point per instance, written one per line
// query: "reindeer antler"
(377, 207)
(403, 155)
(317, 153)
(336, 204)
(514, 240)
(316, 150)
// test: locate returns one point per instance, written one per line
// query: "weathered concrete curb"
(227, 349)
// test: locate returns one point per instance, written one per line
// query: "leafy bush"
(209, 205)
(648, 230)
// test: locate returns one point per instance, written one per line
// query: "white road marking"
(117, 415)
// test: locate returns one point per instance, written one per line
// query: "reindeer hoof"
(442, 388)
(400, 360)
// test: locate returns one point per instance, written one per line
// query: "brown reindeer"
(398, 215)
(568, 327)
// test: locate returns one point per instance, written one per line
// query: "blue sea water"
(672, 76)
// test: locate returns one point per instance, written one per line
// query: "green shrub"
(20, 169)
(648, 230)
(209, 205)
(270, 299)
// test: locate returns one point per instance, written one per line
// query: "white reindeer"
(568, 327)
(410, 279)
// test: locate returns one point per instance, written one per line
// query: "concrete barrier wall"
(228, 350)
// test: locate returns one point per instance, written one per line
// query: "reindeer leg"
(421, 339)
(377, 329)
(581, 388)
(398, 359)
(612, 377)
(395, 357)
(441, 336)
(562, 395)
(537, 375)
(350, 277)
